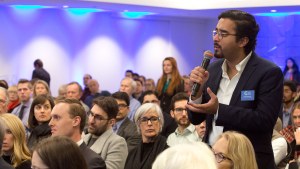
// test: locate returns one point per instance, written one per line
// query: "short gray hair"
(144, 108)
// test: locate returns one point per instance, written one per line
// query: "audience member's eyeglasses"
(220, 157)
(97, 117)
(145, 120)
(122, 106)
(180, 110)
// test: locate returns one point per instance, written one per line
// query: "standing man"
(24, 92)
(240, 92)
(101, 138)
(123, 126)
(185, 132)
(68, 119)
(128, 85)
(39, 72)
(86, 91)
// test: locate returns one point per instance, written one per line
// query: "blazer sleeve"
(116, 153)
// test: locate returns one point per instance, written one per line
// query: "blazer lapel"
(249, 69)
(99, 143)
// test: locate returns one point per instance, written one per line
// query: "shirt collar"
(239, 67)
(79, 142)
(190, 129)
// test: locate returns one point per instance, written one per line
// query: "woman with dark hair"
(291, 70)
(50, 154)
(169, 83)
(38, 120)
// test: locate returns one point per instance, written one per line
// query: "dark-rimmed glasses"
(221, 34)
(180, 110)
(97, 117)
(144, 120)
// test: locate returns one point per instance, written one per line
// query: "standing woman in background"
(15, 151)
(38, 120)
(291, 70)
(169, 83)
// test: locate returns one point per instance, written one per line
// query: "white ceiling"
(180, 8)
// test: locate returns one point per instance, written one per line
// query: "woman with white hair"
(149, 121)
(195, 155)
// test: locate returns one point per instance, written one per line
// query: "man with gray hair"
(3, 100)
(128, 85)
(3, 164)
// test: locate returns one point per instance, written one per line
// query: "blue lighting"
(26, 7)
(82, 11)
(278, 14)
(135, 15)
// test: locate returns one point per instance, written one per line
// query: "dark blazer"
(128, 131)
(93, 160)
(4, 164)
(255, 118)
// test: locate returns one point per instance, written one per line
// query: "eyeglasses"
(144, 120)
(122, 106)
(180, 110)
(220, 157)
(97, 117)
(221, 35)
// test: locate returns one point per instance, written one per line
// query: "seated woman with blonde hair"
(15, 151)
(234, 150)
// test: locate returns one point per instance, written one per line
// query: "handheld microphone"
(207, 55)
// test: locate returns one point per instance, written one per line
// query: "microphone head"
(208, 54)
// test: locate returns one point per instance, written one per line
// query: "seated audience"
(50, 154)
(186, 156)
(280, 149)
(41, 87)
(95, 91)
(14, 145)
(38, 120)
(149, 121)
(13, 98)
(234, 151)
(292, 134)
(150, 85)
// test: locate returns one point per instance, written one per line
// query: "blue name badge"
(247, 95)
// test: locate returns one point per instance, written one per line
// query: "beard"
(218, 53)
(183, 122)
(97, 131)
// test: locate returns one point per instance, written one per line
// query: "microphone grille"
(208, 54)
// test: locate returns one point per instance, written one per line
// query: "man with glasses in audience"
(101, 138)
(123, 126)
(68, 119)
(185, 132)
(240, 91)
(169, 123)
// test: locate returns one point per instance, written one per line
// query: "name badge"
(247, 95)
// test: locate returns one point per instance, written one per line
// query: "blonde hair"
(20, 150)
(240, 147)
(45, 85)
